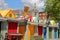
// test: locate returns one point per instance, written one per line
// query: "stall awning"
(3, 19)
(21, 22)
(12, 19)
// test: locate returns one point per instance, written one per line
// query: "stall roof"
(11, 19)
(4, 12)
(7, 13)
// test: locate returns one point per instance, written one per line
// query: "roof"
(4, 12)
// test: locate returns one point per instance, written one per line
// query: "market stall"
(22, 28)
(3, 27)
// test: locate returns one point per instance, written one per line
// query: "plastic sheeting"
(31, 29)
(35, 19)
(12, 27)
(22, 29)
(40, 30)
(55, 33)
(44, 32)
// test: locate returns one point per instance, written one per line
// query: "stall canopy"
(7, 13)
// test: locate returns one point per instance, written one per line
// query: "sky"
(14, 4)
(19, 4)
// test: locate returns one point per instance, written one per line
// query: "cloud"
(3, 5)
(39, 3)
(30, 1)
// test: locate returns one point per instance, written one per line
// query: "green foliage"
(53, 8)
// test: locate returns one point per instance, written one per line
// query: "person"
(48, 22)
(47, 15)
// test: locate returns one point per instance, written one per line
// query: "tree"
(53, 8)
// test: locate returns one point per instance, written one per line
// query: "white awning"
(2, 19)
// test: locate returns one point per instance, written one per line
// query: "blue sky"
(15, 4)
(19, 4)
